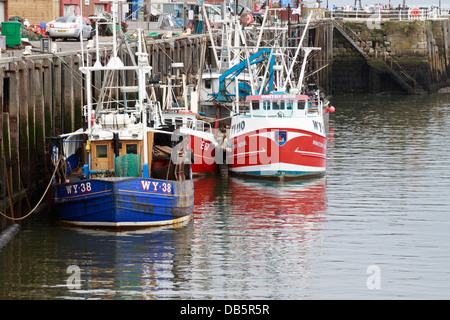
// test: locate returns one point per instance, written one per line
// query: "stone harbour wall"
(419, 49)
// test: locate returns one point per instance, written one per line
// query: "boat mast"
(297, 52)
(114, 61)
(116, 64)
(302, 73)
(210, 34)
(81, 34)
(143, 69)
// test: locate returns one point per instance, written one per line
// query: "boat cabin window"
(273, 105)
(101, 151)
(179, 121)
(282, 105)
(278, 105)
(207, 84)
(132, 148)
(301, 105)
(313, 107)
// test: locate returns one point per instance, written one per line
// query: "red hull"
(278, 151)
(204, 156)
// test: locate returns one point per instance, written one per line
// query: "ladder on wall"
(388, 65)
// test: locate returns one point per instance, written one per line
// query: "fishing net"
(127, 165)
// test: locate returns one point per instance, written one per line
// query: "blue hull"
(124, 202)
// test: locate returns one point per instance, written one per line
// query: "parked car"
(70, 27)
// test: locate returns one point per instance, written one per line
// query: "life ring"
(247, 18)
(415, 12)
(280, 114)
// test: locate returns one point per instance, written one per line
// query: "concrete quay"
(72, 45)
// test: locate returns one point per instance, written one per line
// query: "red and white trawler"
(279, 132)
(182, 112)
(281, 135)
(202, 140)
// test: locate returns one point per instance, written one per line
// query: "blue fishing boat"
(124, 169)
(125, 202)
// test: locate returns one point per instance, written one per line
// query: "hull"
(202, 140)
(204, 155)
(277, 148)
(124, 202)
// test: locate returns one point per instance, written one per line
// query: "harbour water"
(376, 226)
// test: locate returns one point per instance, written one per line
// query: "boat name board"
(238, 127)
(79, 187)
(318, 126)
(96, 187)
(154, 186)
(279, 97)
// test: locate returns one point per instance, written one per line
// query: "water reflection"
(256, 239)
(386, 182)
(130, 264)
(383, 202)
(248, 239)
(277, 205)
(140, 264)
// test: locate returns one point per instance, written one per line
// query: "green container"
(11, 29)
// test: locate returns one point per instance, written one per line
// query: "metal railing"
(396, 14)
(200, 125)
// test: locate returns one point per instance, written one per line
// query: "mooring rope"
(39, 203)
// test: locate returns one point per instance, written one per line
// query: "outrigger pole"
(297, 52)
